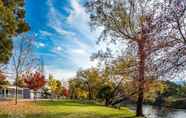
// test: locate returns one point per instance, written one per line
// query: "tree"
(2, 76)
(12, 23)
(46, 93)
(174, 59)
(91, 81)
(20, 82)
(4, 82)
(65, 92)
(77, 89)
(59, 89)
(34, 81)
(105, 93)
(135, 22)
(23, 59)
(55, 86)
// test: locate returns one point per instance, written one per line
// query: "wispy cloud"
(45, 33)
(75, 42)
(39, 44)
(56, 20)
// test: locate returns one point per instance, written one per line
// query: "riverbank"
(178, 103)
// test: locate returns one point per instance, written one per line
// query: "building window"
(6, 92)
(2, 92)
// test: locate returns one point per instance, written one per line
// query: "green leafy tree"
(105, 93)
(46, 93)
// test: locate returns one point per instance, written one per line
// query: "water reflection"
(157, 112)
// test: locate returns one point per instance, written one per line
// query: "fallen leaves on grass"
(20, 110)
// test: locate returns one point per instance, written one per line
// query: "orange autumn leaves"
(34, 81)
(22, 108)
(2, 76)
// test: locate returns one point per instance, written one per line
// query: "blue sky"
(63, 36)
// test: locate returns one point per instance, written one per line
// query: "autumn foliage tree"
(91, 81)
(12, 23)
(65, 92)
(55, 87)
(77, 89)
(2, 76)
(138, 24)
(34, 81)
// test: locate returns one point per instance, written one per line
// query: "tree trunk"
(107, 102)
(16, 92)
(89, 93)
(141, 70)
(34, 96)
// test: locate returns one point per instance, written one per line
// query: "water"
(157, 112)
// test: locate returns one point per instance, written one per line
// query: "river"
(157, 112)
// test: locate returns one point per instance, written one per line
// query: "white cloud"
(39, 45)
(78, 13)
(60, 74)
(58, 48)
(45, 33)
(55, 20)
(78, 51)
(78, 18)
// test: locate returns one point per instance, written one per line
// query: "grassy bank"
(61, 109)
(177, 103)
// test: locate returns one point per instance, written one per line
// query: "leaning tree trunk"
(141, 70)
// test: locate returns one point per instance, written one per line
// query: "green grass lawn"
(66, 109)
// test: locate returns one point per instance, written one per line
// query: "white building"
(9, 92)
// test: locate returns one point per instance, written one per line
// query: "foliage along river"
(157, 112)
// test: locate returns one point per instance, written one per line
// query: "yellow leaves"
(54, 85)
(1, 3)
(7, 19)
(123, 66)
(154, 87)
